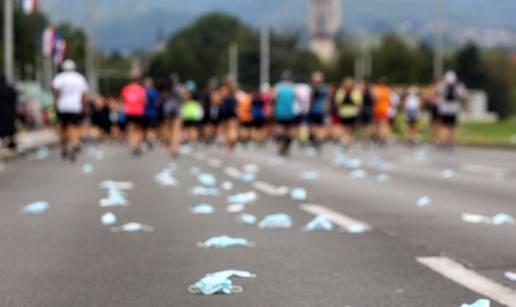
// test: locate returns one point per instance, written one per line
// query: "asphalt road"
(66, 257)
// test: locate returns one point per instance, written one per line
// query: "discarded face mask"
(276, 221)
(87, 169)
(247, 219)
(225, 241)
(376, 162)
(242, 198)
(108, 219)
(424, 201)
(510, 276)
(358, 174)
(475, 218)
(502, 219)
(115, 199)
(383, 178)
(251, 168)
(227, 186)
(479, 303)
(204, 191)
(320, 223)
(235, 208)
(165, 179)
(202, 209)
(248, 177)
(116, 185)
(448, 173)
(42, 153)
(356, 228)
(207, 180)
(219, 283)
(299, 194)
(421, 155)
(133, 227)
(36, 208)
(310, 175)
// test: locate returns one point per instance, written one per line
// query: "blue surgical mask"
(204, 191)
(247, 219)
(276, 221)
(207, 180)
(298, 194)
(219, 283)
(478, 303)
(87, 169)
(501, 219)
(115, 198)
(424, 201)
(243, 198)
(319, 223)
(108, 219)
(164, 178)
(202, 209)
(133, 227)
(310, 175)
(225, 241)
(36, 208)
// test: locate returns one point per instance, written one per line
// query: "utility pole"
(265, 56)
(91, 59)
(9, 40)
(233, 61)
(438, 39)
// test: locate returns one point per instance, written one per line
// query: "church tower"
(324, 22)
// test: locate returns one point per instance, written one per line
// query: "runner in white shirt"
(301, 109)
(70, 89)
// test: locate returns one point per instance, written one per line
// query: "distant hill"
(133, 24)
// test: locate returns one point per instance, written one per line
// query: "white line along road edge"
(470, 279)
(336, 217)
(270, 189)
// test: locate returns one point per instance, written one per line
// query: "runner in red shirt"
(134, 98)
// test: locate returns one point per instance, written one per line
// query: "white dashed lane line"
(470, 279)
(337, 218)
(269, 189)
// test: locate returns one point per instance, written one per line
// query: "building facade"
(324, 22)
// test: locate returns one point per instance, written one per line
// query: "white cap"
(69, 65)
(450, 77)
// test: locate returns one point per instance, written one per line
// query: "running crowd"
(310, 113)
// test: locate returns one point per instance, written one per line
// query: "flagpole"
(9, 40)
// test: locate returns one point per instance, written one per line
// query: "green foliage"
(76, 44)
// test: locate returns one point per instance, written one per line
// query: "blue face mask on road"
(247, 219)
(203, 209)
(204, 191)
(319, 223)
(225, 241)
(310, 175)
(207, 180)
(276, 221)
(165, 179)
(87, 169)
(115, 198)
(424, 201)
(243, 198)
(36, 208)
(479, 303)
(133, 227)
(298, 194)
(219, 283)
(109, 219)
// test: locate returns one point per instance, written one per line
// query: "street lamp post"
(265, 56)
(91, 59)
(9, 40)
(233, 61)
(438, 40)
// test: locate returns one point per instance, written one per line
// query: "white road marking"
(216, 163)
(269, 189)
(470, 279)
(233, 172)
(481, 169)
(336, 217)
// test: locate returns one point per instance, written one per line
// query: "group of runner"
(310, 113)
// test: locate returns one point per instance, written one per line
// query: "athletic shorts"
(150, 122)
(349, 121)
(140, 120)
(366, 117)
(259, 123)
(246, 124)
(412, 117)
(191, 123)
(449, 120)
(70, 119)
(316, 119)
(286, 122)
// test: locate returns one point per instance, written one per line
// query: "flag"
(30, 6)
(48, 41)
(54, 45)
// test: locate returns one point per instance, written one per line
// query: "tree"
(469, 66)
(76, 44)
